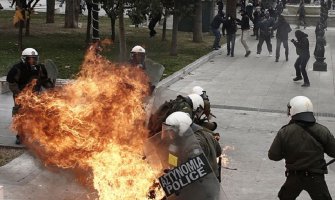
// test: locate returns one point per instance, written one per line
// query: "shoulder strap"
(311, 134)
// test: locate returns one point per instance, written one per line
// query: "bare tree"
(122, 33)
(111, 8)
(181, 8)
(30, 8)
(50, 18)
(197, 22)
(72, 10)
(231, 8)
(89, 21)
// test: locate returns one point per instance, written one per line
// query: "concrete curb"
(189, 68)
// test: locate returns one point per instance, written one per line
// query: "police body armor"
(186, 172)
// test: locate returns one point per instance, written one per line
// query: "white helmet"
(301, 108)
(197, 90)
(137, 49)
(197, 101)
(28, 52)
(137, 56)
(179, 120)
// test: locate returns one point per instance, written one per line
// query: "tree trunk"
(175, 23)
(231, 8)
(30, 8)
(122, 36)
(89, 23)
(164, 29)
(95, 18)
(72, 9)
(113, 36)
(212, 10)
(27, 33)
(50, 11)
(197, 22)
(22, 5)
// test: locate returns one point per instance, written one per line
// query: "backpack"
(168, 107)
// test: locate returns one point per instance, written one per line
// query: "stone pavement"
(249, 97)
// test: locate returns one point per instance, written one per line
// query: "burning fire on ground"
(224, 156)
(95, 125)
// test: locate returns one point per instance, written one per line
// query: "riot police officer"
(187, 140)
(302, 143)
(137, 56)
(23, 73)
(192, 104)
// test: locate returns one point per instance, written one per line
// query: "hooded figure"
(283, 28)
(302, 143)
(302, 49)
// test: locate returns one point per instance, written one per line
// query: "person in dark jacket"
(22, 73)
(154, 17)
(231, 27)
(265, 27)
(279, 8)
(302, 14)
(303, 143)
(302, 49)
(257, 18)
(283, 28)
(215, 26)
(244, 23)
(249, 9)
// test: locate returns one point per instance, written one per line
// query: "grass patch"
(7, 154)
(66, 47)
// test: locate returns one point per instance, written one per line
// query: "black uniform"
(209, 146)
(21, 74)
(302, 145)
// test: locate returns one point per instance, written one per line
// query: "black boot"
(17, 141)
(297, 78)
(306, 85)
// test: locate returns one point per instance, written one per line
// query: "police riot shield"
(158, 108)
(162, 95)
(154, 70)
(52, 70)
(186, 172)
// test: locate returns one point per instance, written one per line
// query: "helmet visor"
(169, 132)
(32, 60)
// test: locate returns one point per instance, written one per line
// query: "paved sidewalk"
(249, 96)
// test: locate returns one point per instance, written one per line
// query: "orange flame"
(224, 156)
(95, 124)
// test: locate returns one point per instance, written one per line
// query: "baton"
(328, 163)
(220, 166)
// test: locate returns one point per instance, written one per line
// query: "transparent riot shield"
(154, 70)
(186, 172)
(163, 94)
(52, 70)
(159, 101)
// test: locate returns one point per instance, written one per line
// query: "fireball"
(95, 125)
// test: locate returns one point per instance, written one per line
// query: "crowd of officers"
(302, 142)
